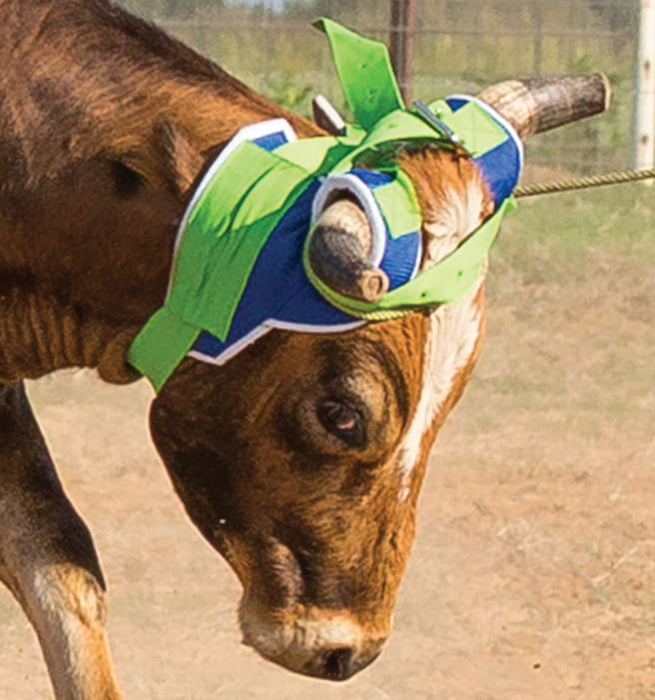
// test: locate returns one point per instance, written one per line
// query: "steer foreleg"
(47, 558)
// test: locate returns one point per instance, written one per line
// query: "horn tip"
(608, 91)
(373, 284)
(327, 117)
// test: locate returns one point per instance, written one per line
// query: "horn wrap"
(340, 244)
(539, 104)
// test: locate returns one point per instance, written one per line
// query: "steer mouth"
(303, 614)
(326, 644)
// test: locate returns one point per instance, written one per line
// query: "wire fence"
(458, 46)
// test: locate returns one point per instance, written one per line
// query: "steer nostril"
(336, 663)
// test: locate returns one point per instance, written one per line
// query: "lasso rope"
(584, 183)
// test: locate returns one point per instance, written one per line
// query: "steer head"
(301, 459)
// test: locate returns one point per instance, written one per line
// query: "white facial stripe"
(453, 331)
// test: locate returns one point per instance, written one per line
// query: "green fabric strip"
(451, 279)
(396, 127)
(365, 73)
(160, 345)
(399, 205)
(399, 126)
(479, 133)
(315, 155)
(229, 227)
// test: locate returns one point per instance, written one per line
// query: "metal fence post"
(401, 43)
(645, 111)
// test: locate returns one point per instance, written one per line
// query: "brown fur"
(105, 124)
(131, 134)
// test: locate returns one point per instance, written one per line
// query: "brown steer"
(303, 465)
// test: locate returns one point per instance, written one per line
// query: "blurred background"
(453, 45)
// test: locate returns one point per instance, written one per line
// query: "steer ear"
(167, 159)
(180, 161)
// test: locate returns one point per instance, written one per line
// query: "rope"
(583, 183)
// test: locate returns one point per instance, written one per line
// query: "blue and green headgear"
(240, 264)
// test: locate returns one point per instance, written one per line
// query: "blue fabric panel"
(209, 345)
(456, 103)
(278, 287)
(500, 167)
(399, 258)
(271, 141)
(371, 178)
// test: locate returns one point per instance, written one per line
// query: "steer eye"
(342, 420)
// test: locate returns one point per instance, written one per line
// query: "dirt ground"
(533, 573)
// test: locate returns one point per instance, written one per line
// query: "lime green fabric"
(477, 131)
(160, 345)
(399, 206)
(316, 155)
(248, 212)
(365, 73)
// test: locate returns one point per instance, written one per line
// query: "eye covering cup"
(240, 264)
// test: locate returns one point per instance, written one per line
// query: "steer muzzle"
(322, 643)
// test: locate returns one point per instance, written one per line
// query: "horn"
(540, 104)
(339, 247)
(340, 243)
(327, 117)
